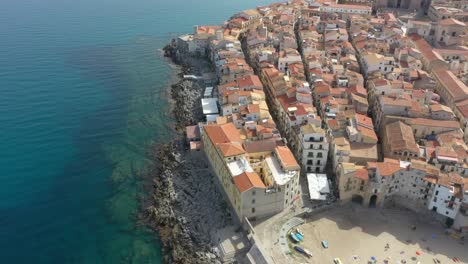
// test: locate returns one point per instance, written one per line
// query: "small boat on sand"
(303, 251)
(295, 237)
(299, 231)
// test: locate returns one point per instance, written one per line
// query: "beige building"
(449, 32)
(398, 142)
(379, 183)
(258, 180)
(450, 88)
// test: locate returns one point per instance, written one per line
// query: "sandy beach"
(355, 234)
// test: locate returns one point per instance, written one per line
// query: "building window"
(253, 210)
(253, 192)
(436, 193)
(253, 201)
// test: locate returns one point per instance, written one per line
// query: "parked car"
(337, 261)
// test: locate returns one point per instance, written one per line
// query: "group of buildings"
(378, 103)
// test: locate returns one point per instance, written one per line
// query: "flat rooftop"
(240, 166)
(210, 106)
(280, 176)
(318, 186)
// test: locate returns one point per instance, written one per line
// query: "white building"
(373, 62)
(314, 148)
(287, 58)
(447, 197)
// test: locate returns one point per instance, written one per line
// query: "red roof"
(247, 181)
(286, 157)
(425, 48)
(361, 174)
(388, 167)
(222, 133)
(249, 81)
(457, 89)
(231, 149)
(364, 120)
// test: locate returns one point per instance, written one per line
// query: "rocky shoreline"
(185, 207)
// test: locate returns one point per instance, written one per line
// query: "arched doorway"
(373, 201)
(356, 198)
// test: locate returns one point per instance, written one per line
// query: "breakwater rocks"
(177, 239)
(186, 95)
(186, 207)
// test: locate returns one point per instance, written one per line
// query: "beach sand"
(364, 232)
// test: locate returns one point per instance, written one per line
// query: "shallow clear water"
(82, 97)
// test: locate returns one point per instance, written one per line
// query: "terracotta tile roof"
(333, 124)
(207, 29)
(388, 167)
(364, 120)
(361, 174)
(231, 149)
(286, 157)
(462, 107)
(400, 138)
(360, 99)
(434, 123)
(363, 151)
(380, 82)
(426, 49)
(322, 89)
(372, 165)
(249, 81)
(446, 152)
(457, 89)
(247, 181)
(222, 133)
(359, 90)
(387, 100)
(440, 108)
(253, 108)
(418, 94)
(368, 132)
(268, 145)
(451, 22)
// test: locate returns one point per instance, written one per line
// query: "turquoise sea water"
(82, 96)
